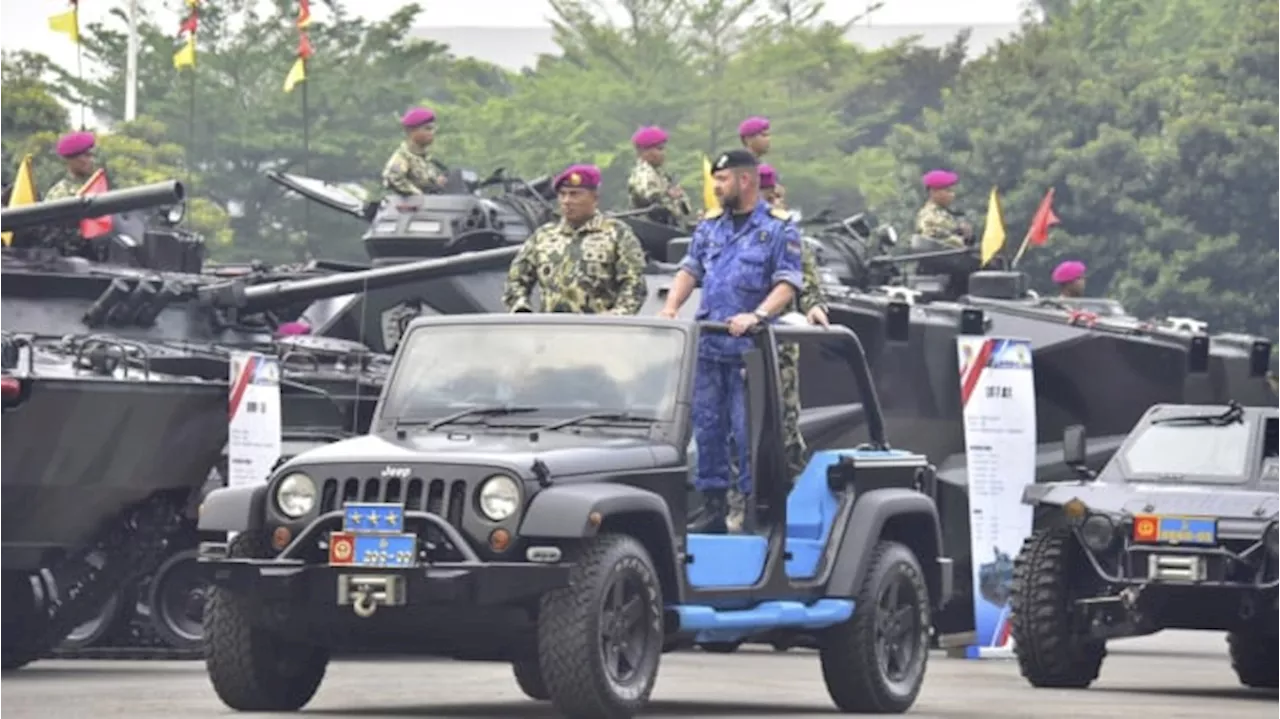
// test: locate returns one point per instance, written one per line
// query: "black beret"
(734, 159)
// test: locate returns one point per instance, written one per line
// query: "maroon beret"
(75, 143)
(417, 117)
(939, 179)
(768, 177)
(647, 137)
(585, 176)
(753, 126)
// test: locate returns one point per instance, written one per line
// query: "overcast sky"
(24, 23)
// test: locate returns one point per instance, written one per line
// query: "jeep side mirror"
(1073, 446)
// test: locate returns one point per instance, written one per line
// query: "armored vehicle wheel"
(94, 630)
(251, 668)
(1254, 656)
(600, 639)
(177, 601)
(1050, 653)
(874, 663)
(529, 679)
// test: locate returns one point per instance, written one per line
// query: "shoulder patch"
(779, 213)
(713, 213)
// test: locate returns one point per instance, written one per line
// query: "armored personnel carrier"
(152, 296)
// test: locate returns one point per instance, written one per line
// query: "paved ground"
(1169, 675)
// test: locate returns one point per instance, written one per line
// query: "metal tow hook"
(363, 604)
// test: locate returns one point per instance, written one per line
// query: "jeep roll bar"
(849, 348)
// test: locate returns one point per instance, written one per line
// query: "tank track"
(138, 541)
(134, 641)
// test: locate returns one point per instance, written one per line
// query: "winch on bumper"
(1175, 572)
(379, 558)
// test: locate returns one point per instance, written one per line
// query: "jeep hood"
(565, 454)
(1154, 498)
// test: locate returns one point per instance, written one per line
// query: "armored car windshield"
(556, 369)
(1190, 452)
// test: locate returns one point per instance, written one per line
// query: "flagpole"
(131, 66)
(306, 157)
(79, 64)
(1023, 248)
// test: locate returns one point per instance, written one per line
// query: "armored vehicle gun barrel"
(78, 208)
(257, 298)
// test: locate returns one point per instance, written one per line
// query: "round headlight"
(499, 497)
(296, 495)
(1272, 539)
(176, 213)
(1098, 532)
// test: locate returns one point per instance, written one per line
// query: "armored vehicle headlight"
(1098, 532)
(1272, 539)
(499, 497)
(1075, 509)
(296, 495)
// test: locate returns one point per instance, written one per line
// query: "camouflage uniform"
(597, 268)
(66, 187)
(650, 187)
(938, 223)
(411, 172)
(789, 367)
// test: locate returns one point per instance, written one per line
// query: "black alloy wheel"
(897, 632)
(626, 628)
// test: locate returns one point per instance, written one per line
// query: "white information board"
(254, 439)
(997, 390)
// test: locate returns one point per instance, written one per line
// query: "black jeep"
(522, 497)
(1178, 531)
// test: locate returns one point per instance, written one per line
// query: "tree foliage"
(1156, 124)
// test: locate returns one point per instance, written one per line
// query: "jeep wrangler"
(522, 497)
(1178, 531)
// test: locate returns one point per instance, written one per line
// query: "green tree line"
(1154, 122)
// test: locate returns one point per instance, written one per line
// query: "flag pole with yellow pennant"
(68, 23)
(993, 233)
(185, 57)
(709, 200)
(24, 193)
(298, 76)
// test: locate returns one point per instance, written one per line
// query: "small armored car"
(522, 496)
(1178, 531)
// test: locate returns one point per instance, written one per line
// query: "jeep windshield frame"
(563, 365)
(1189, 448)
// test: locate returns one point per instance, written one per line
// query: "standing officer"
(411, 171)
(809, 303)
(936, 220)
(76, 150)
(746, 257)
(649, 186)
(585, 262)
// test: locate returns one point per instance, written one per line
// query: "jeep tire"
(1254, 657)
(874, 662)
(529, 679)
(1050, 652)
(600, 638)
(252, 668)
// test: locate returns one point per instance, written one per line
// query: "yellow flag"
(66, 23)
(297, 74)
(993, 233)
(186, 57)
(24, 193)
(709, 199)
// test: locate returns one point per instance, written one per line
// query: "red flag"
(95, 226)
(304, 46)
(304, 14)
(1043, 220)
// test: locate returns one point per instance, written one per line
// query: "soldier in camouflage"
(809, 303)
(76, 150)
(584, 263)
(936, 220)
(411, 171)
(649, 186)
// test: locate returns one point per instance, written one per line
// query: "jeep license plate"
(1175, 530)
(384, 551)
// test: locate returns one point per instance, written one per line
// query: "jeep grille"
(442, 497)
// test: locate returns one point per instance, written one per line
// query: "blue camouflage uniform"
(737, 269)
